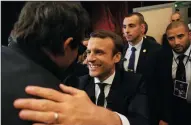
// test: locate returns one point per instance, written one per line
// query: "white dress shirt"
(109, 81)
(187, 65)
(128, 55)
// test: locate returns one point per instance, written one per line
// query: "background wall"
(115, 13)
(157, 18)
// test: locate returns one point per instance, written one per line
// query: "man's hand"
(163, 122)
(73, 108)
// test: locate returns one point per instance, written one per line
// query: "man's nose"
(90, 57)
(177, 41)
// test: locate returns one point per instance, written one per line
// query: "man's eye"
(170, 38)
(180, 36)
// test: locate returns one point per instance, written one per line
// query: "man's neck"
(102, 79)
(136, 41)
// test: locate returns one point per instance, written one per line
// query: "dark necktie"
(132, 60)
(101, 97)
(180, 73)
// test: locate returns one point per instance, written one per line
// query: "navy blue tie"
(132, 60)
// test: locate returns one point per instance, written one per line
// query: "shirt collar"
(109, 80)
(137, 46)
(185, 53)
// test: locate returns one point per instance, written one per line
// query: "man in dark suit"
(123, 95)
(176, 76)
(123, 91)
(44, 43)
(140, 55)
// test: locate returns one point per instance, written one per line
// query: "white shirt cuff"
(124, 120)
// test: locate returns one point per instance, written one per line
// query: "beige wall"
(157, 18)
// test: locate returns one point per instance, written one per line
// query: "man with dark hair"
(44, 43)
(106, 86)
(103, 54)
(140, 56)
(176, 76)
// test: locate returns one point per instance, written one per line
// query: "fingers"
(69, 90)
(39, 124)
(37, 104)
(45, 124)
(44, 117)
(47, 93)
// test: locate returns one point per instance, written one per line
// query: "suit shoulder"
(83, 81)
(153, 46)
(131, 75)
(128, 76)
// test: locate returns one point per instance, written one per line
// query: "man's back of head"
(41, 26)
(47, 24)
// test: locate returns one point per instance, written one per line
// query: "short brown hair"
(117, 40)
(176, 24)
(139, 15)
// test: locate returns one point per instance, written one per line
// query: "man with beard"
(176, 76)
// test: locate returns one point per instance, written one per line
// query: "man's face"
(179, 39)
(175, 17)
(132, 29)
(100, 58)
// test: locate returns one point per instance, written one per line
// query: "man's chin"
(179, 50)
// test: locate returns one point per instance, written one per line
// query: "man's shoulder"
(150, 43)
(153, 47)
(129, 76)
(17, 67)
(84, 80)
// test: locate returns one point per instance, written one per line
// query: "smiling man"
(110, 87)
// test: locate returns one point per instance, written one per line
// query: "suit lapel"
(123, 56)
(142, 56)
(125, 49)
(114, 93)
(170, 56)
(123, 88)
(90, 90)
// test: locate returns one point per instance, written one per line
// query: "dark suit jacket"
(126, 96)
(148, 66)
(174, 110)
(152, 39)
(18, 70)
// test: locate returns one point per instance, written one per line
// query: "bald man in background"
(174, 17)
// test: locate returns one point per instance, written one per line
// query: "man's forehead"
(101, 42)
(131, 20)
(176, 31)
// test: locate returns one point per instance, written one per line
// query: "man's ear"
(67, 42)
(142, 28)
(189, 34)
(117, 57)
